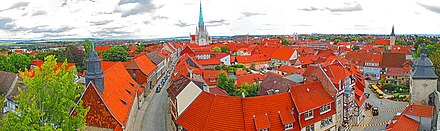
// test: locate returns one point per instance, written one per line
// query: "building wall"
(420, 89)
(226, 60)
(330, 127)
(372, 71)
(133, 115)
(98, 115)
(187, 96)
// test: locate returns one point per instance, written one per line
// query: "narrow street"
(154, 114)
(387, 110)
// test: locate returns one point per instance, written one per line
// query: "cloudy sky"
(35, 19)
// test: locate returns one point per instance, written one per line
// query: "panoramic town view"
(195, 65)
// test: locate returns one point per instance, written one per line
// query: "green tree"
(218, 67)
(87, 47)
(139, 49)
(48, 100)
(224, 49)
(285, 41)
(20, 62)
(381, 81)
(116, 53)
(2, 97)
(217, 49)
(355, 48)
(227, 84)
(6, 65)
(249, 90)
(435, 58)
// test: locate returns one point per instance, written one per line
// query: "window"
(288, 126)
(128, 91)
(310, 127)
(212, 80)
(327, 121)
(324, 109)
(339, 101)
(308, 115)
(265, 129)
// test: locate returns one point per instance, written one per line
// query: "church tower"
(202, 36)
(94, 72)
(423, 80)
(393, 37)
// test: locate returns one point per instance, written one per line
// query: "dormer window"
(324, 109)
(288, 126)
(265, 129)
(123, 102)
(308, 115)
(128, 91)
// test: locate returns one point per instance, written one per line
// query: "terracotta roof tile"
(283, 53)
(146, 66)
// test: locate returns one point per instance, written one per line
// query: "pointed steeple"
(392, 31)
(201, 22)
(94, 72)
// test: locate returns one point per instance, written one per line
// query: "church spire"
(94, 71)
(424, 51)
(392, 31)
(201, 22)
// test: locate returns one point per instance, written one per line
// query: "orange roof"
(250, 78)
(288, 69)
(283, 53)
(218, 91)
(405, 123)
(119, 92)
(214, 112)
(144, 63)
(211, 61)
(309, 59)
(102, 48)
(419, 110)
(309, 96)
(241, 72)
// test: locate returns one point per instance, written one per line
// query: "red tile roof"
(241, 72)
(214, 112)
(118, 87)
(419, 110)
(309, 59)
(218, 91)
(102, 48)
(395, 71)
(250, 59)
(288, 69)
(283, 54)
(250, 79)
(309, 96)
(405, 123)
(145, 64)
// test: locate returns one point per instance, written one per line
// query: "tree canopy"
(226, 83)
(47, 101)
(217, 49)
(15, 63)
(116, 53)
(224, 49)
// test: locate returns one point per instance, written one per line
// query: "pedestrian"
(381, 102)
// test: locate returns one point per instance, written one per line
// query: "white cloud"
(25, 19)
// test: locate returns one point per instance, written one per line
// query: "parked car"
(375, 111)
(158, 89)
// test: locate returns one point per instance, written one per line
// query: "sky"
(143, 19)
